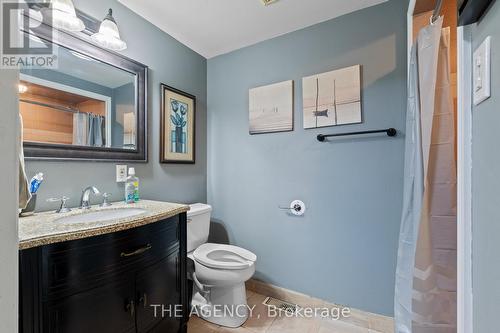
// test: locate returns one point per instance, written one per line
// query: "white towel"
(80, 129)
(24, 193)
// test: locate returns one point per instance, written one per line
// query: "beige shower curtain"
(435, 274)
(426, 274)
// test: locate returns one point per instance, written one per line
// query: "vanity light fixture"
(108, 35)
(63, 16)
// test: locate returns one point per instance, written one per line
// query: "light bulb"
(22, 88)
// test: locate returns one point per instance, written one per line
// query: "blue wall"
(169, 62)
(485, 185)
(123, 98)
(344, 249)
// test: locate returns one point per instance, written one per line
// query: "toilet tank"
(198, 225)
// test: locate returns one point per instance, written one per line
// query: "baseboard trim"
(372, 321)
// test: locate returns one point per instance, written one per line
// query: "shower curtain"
(425, 293)
(96, 131)
(88, 130)
(80, 129)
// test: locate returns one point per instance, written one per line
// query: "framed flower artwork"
(177, 126)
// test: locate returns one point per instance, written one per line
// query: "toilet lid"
(224, 256)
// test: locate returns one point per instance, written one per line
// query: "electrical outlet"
(482, 72)
(121, 173)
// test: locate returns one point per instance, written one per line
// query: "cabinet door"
(158, 287)
(109, 308)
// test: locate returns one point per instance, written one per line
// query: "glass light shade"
(64, 17)
(108, 35)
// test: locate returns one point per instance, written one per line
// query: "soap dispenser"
(131, 187)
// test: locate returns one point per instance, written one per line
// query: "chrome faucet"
(85, 200)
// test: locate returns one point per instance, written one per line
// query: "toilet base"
(224, 306)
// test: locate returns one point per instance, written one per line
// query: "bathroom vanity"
(104, 274)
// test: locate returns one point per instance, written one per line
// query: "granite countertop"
(44, 228)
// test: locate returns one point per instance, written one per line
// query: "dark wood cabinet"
(159, 285)
(103, 309)
(122, 282)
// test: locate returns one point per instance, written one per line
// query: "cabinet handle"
(130, 307)
(136, 252)
(144, 300)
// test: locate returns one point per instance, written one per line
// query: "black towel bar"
(389, 131)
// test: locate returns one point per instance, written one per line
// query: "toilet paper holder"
(297, 207)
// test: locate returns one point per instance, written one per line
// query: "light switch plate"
(481, 63)
(121, 173)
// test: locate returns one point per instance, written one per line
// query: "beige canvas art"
(332, 98)
(271, 108)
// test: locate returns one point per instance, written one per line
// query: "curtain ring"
(433, 19)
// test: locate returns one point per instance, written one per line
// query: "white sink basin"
(102, 215)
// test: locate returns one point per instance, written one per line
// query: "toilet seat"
(222, 256)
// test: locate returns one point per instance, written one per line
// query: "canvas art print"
(332, 98)
(177, 126)
(271, 108)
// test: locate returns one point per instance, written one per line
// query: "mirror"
(83, 102)
(90, 106)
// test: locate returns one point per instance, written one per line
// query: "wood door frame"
(464, 185)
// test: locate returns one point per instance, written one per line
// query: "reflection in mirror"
(83, 102)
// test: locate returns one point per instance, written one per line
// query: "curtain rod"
(52, 106)
(58, 107)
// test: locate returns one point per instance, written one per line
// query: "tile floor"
(261, 323)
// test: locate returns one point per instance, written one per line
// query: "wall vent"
(281, 305)
(268, 2)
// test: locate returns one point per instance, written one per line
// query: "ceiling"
(214, 27)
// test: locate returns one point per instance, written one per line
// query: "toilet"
(219, 273)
